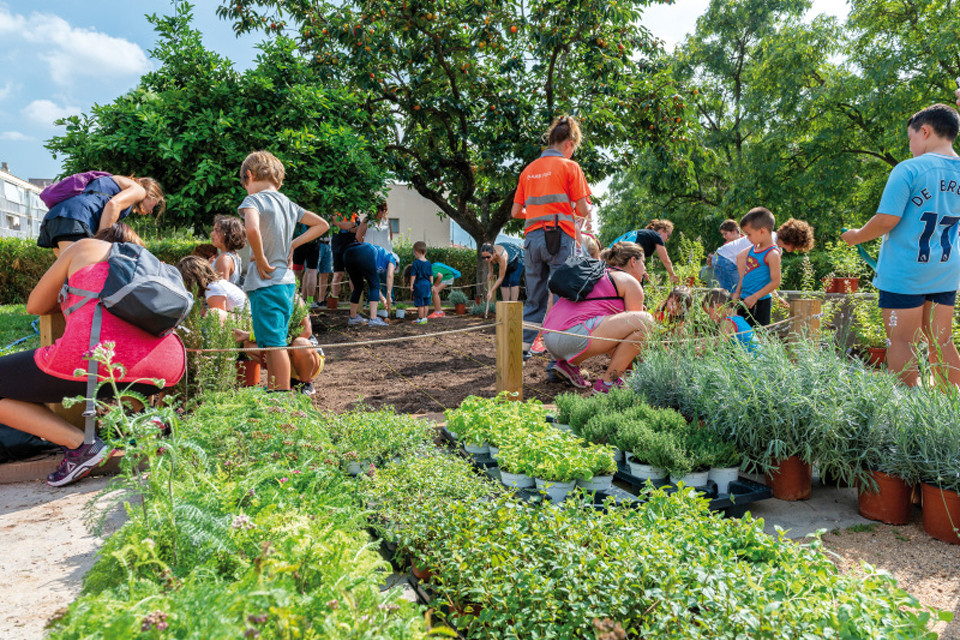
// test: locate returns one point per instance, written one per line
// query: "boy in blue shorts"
(270, 218)
(758, 266)
(443, 277)
(421, 274)
(918, 269)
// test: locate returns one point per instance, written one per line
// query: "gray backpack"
(140, 289)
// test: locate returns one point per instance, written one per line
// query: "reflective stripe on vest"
(539, 213)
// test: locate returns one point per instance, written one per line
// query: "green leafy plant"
(457, 297)
(868, 324)
(844, 260)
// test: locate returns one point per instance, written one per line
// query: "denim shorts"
(325, 258)
(514, 275)
(270, 309)
(888, 300)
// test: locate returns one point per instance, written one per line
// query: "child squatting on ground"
(717, 305)
(918, 268)
(421, 281)
(269, 220)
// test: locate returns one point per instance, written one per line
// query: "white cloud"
(44, 112)
(13, 135)
(72, 52)
(6, 90)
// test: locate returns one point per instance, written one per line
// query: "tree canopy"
(463, 90)
(190, 123)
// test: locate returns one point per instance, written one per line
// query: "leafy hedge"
(243, 527)
(22, 263)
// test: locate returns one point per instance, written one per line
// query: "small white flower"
(893, 319)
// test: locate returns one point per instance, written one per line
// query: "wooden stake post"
(806, 314)
(51, 328)
(510, 348)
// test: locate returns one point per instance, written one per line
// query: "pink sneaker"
(437, 314)
(571, 373)
(604, 387)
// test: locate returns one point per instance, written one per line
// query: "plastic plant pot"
(890, 503)
(596, 483)
(941, 513)
(791, 480)
(477, 450)
(646, 471)
(515, 480)
(696, 479)
(556, 491)
(723, 477)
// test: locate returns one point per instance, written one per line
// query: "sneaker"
(377, 322)
(601, 387)
(437, 314)
(537, 347)
(78, 463)
(420, 321)
(306, 388)
(571, 373)
(355, 320)
(527, 355)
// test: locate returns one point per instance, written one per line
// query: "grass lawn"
(15, 324)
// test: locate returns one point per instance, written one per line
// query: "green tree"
(464, 89)
(191, 122)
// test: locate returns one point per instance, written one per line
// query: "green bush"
(22, 263)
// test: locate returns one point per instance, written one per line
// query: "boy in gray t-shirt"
(269, 219)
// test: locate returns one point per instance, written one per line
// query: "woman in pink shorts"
(613, 310)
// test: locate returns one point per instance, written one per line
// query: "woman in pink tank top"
(31, 378)
(612, 312)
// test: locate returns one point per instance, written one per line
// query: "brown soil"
(926, 568)
(418, 376)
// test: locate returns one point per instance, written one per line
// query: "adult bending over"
(509, 260)
(613, 310)
(31, 378)
(104, 202)
(652, 240)
(360, 261)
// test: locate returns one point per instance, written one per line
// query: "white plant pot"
(562, 427)
(453, 434)
(556, 491)
(400, 313)
(383, 313)
(515, 480)
(696, 479)
(597, 483)
(618, 455)
(477, 450)
(354, 468)
(723, 477)
(494, 451)
(645, 471)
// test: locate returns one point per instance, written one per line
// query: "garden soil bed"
(927, 568)
(419, 376)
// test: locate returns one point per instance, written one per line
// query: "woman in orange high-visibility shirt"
(551, 195)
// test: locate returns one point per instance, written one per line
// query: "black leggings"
(360, 261)
(759, 315)
(22, 379)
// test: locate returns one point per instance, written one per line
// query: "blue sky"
(59, 57)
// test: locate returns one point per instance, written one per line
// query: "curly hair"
(797, 233)
(233, 232)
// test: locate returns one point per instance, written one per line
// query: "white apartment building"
(21, 209)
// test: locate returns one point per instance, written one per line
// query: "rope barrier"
(362, 343)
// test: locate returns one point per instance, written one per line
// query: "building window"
(13, 222)
(394, 225)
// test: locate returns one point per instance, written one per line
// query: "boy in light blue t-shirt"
(918, 269)
(269, 219)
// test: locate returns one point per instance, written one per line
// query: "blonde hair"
(153, 188)
(660, 225)
(564, 128)
(197, 273)
(619, 254)
(264, 166)
(590, 246)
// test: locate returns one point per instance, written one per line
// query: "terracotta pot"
(332, 302)
(941, 513)
(478, 300)
(878, 355)
(691, 281)
(842, 285)
(248, 373)
(421, 573)
(460, 308)
(890, 503)
(792, 480)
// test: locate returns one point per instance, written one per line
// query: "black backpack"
(139, 289)
(576, 278)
